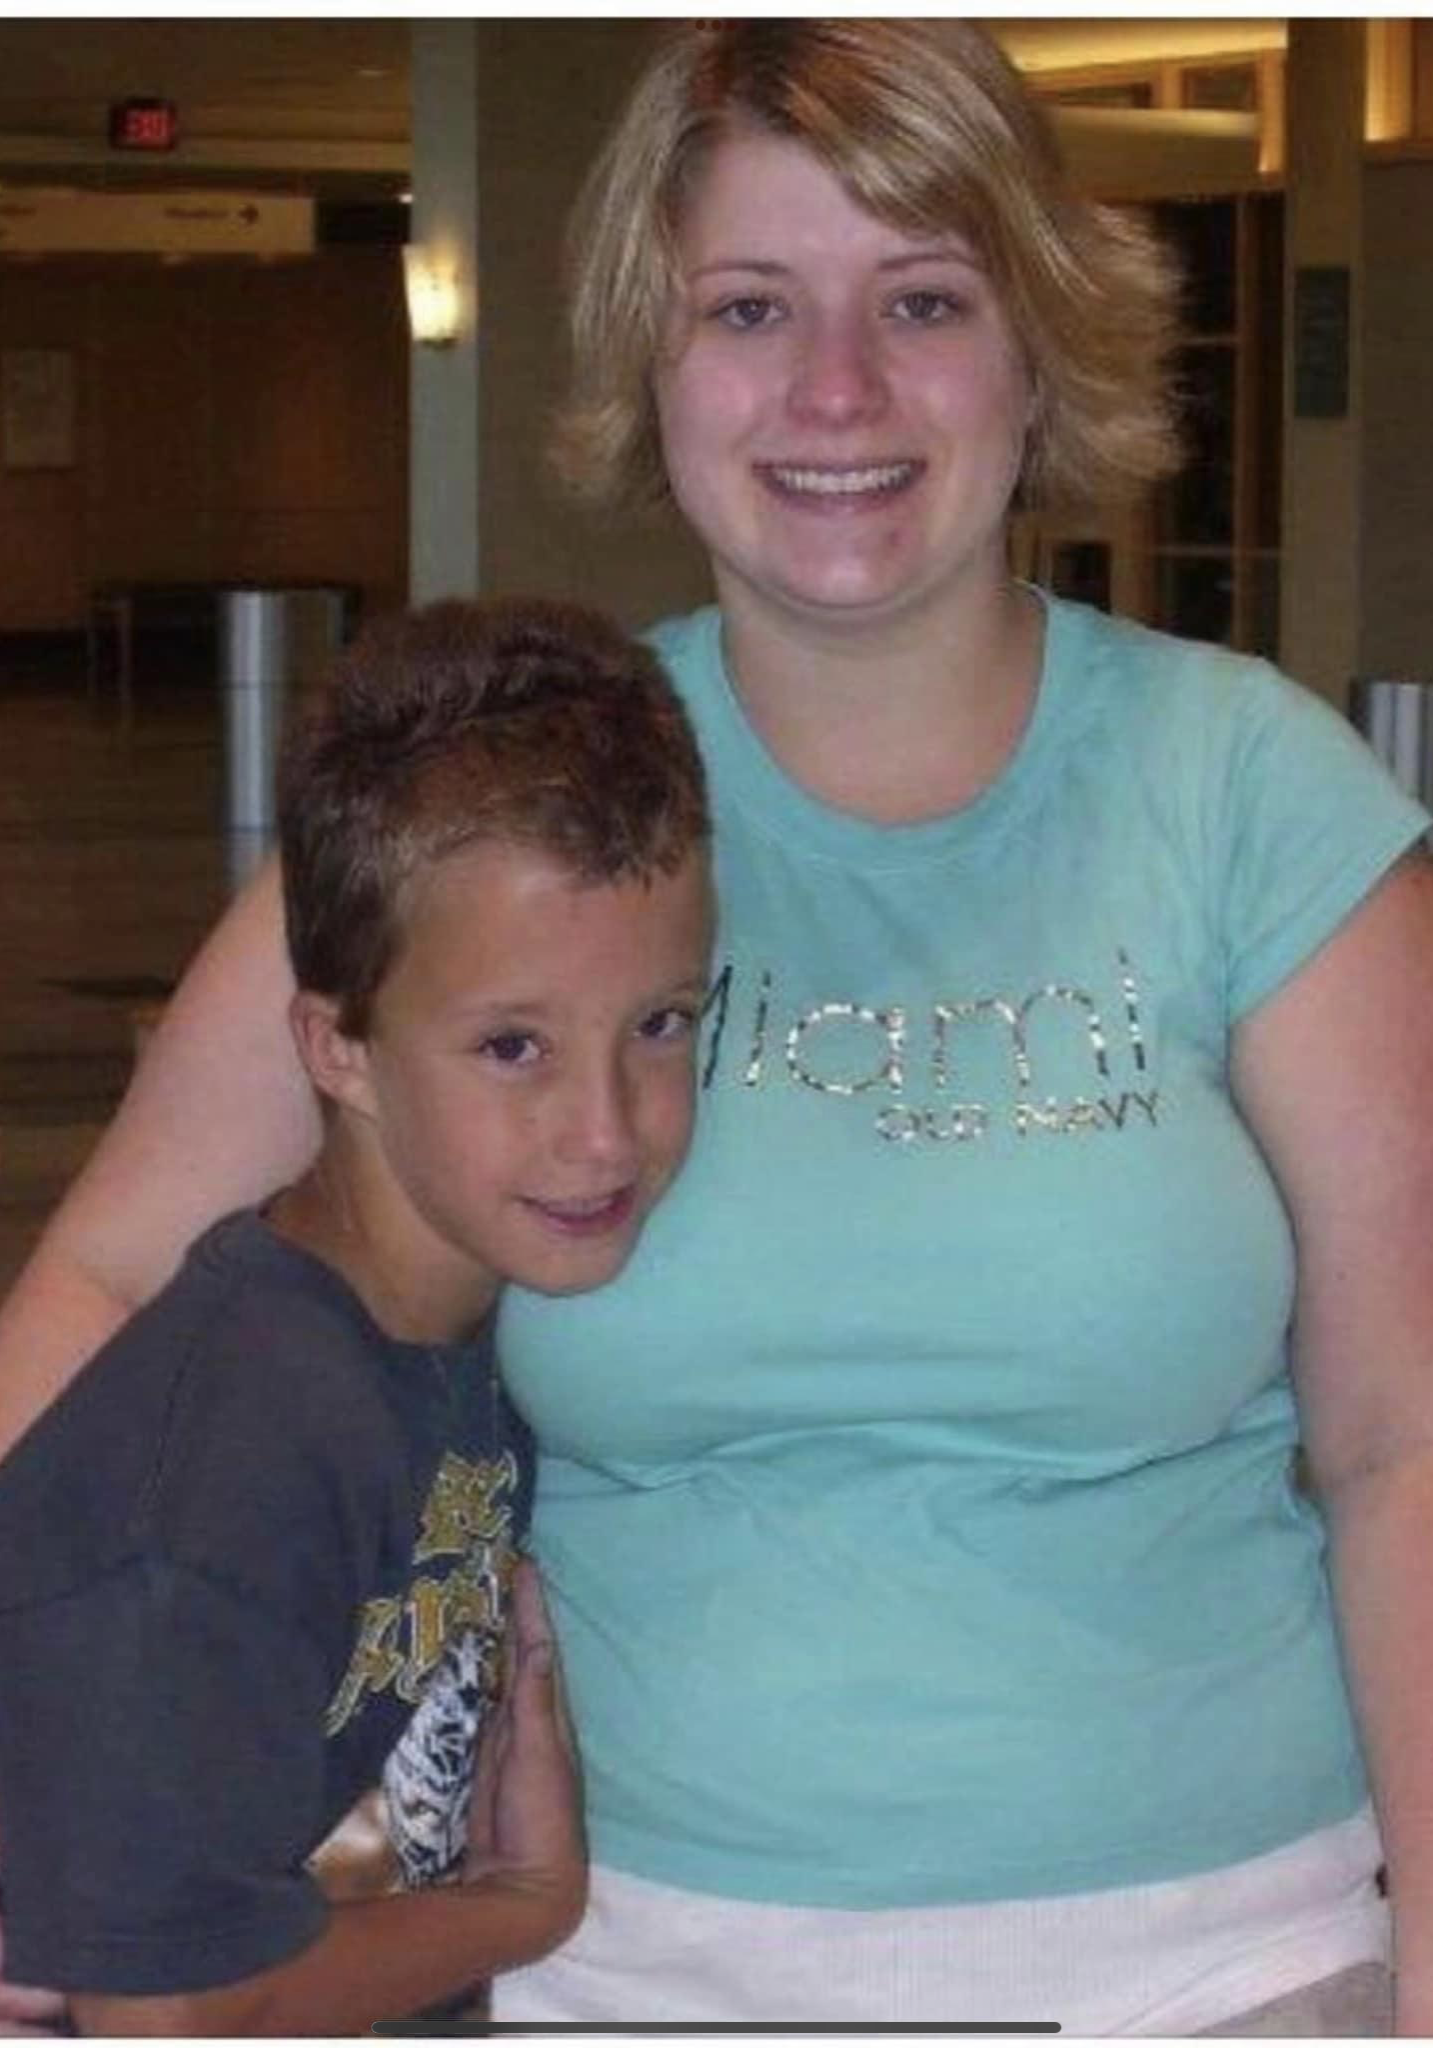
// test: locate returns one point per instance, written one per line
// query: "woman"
(947, 1636)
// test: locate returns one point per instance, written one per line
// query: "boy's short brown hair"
(522, 720)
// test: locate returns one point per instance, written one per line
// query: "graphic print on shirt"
(428, 1778)
(963, 1069)
(436, 1646)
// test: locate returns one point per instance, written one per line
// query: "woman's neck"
(896, 721)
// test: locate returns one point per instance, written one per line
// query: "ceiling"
(1064, 42)
(321, 104)
(317, 104)
(266, 75)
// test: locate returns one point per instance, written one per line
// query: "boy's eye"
(748, 311)
(511, 1048)
(672, 1021)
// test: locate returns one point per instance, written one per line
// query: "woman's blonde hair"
(929, 127)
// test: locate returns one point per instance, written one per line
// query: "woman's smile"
(833, 488)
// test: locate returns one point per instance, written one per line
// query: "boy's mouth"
(587, 1215)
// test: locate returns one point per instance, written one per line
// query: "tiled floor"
(112, 867)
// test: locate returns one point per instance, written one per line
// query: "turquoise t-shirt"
(917, 1507)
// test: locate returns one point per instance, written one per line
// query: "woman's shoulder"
(1187, 692)
(1140, 657)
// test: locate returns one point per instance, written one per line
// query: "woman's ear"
(336, 1064)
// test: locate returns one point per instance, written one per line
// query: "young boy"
(254, 1558)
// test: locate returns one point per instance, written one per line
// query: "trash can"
(1395, 716)
(273, 642)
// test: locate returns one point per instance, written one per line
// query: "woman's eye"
(746, 313)
(511, 1048)
(672, 1021)
(927, 307)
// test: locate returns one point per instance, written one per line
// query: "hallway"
(111, 870)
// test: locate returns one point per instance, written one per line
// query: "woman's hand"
(525, 1824)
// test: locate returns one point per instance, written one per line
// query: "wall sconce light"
(434, 305)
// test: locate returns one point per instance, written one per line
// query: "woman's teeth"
(843, 483)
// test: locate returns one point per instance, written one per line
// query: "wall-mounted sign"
(143, 124)
(1321, 317)
(55, 221)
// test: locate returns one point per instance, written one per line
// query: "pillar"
(443, 476)
(1320, 591)
(507, 115)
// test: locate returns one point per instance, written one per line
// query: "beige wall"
(234, 422)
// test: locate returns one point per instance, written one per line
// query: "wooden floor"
(113, 864)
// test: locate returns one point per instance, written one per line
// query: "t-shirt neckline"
(780, 808)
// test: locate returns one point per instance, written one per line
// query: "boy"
(254, 1556)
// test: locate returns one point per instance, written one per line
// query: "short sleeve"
(161, 1779)
(1313, 821)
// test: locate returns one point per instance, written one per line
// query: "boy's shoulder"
(248, 1393)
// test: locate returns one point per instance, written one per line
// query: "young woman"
(948, 1636)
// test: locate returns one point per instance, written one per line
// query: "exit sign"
(143, 124)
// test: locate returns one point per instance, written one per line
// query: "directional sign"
(58, 221)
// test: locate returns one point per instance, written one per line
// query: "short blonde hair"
(929, 127)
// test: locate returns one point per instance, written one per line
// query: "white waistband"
(1150, 1959)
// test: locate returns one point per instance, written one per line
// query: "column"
(1322, 482)
(443, 382)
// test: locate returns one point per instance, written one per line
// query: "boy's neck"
(416, 1291)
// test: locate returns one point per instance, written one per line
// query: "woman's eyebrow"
(934, 252)
(905, 259)
(761, 266)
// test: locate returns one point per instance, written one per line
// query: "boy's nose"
(597, 1126)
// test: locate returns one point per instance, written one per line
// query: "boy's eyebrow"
(500, 1006)
(520, 1006)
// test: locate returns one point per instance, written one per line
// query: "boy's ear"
(336, 1064)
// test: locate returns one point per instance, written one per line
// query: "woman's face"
(843, 405)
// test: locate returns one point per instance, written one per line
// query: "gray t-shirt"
(251, 1562)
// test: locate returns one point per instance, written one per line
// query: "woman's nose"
(839, 376)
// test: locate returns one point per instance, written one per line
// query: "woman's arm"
(218, 1114)
(386, 1959)
(1335, 1075)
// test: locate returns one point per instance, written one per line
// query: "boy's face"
(528, 1071)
